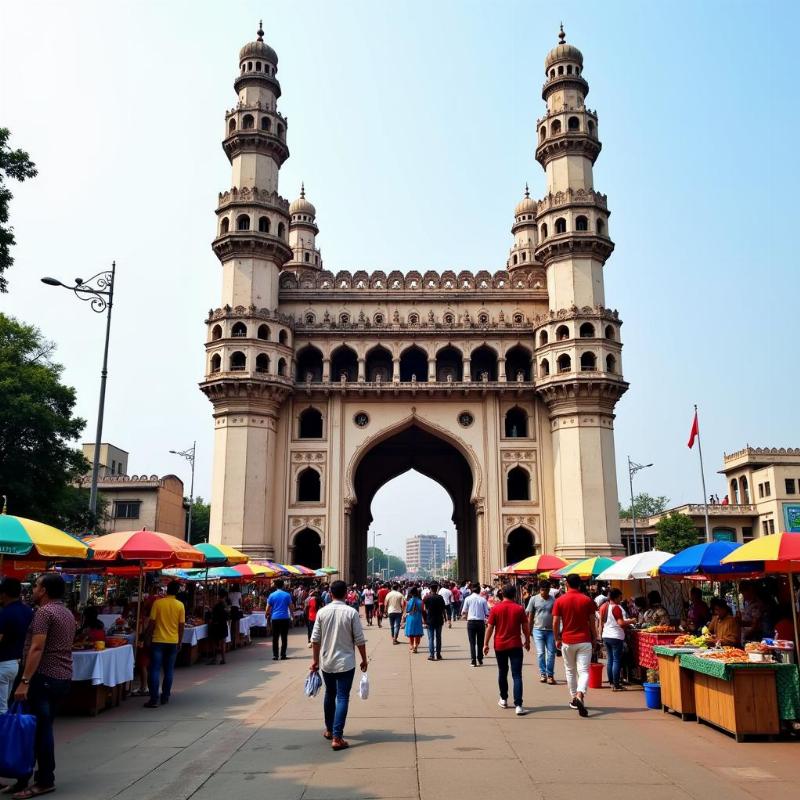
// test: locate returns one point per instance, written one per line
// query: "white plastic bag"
(363, 687)
(312, 684)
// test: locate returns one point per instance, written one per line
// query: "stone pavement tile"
(465, 705)
(622, 791)
(771, 790)
(334, 782)
(135, 760)
(286, 785)
(181, 733)
(453, 738)
(446, 777)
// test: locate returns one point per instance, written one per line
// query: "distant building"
(113, 461)
(763, 498)
(136, 501)
(424, 552)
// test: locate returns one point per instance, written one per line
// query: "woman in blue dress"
(414, 619)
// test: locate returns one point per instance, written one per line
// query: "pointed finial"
(260, 31)
(527, 191)
(562, 37)
(303, 190)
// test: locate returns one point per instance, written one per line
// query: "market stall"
(99, 679)
(642, 644)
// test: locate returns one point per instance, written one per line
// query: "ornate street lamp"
(98, 291)
(633, 468)
(189, 456)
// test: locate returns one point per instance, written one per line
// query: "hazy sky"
(413, 126)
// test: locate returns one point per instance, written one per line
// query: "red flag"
(695, 432)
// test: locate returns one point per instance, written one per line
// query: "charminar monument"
(325, 384)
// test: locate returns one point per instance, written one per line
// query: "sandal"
(340, 744)
(33, 791)
(327, 735)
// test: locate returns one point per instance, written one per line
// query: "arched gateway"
(500, 386)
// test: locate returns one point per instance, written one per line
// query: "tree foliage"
(201, 517)
(376, 561)
(676, 532)
(644, 505)
(14, 164)
(38, 462)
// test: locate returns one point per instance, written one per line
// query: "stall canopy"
(26, 538)
(533, 565)
(705, 560)
(634, 567)
(222, 555)
(585, 567)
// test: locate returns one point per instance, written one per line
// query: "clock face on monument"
(465, 419)
(361, 419)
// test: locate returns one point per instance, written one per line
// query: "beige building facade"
(499, 385)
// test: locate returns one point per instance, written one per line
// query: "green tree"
(676, 532)
(377, 561)
(15, 164)
(38, 463)
(201, 516)
(644, 505)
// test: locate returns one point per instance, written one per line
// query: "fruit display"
(115, 641)
(727, 655)
(660, 629)
(757, 647)
(687, 640)
(82, 643)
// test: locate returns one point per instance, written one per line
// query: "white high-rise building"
(425, 552)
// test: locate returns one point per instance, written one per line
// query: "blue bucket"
(652, 695)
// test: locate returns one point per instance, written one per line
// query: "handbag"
(312, 684)
(17, 734)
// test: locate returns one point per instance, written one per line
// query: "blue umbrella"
(704, 559)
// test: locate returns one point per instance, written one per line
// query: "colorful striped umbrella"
(705, 559)
(222, 555)
(305, 570)
(535, 564)
(586, 567)
(145, 545)
(328, 570)
(26, 537)
(253, 570)
(780, 552)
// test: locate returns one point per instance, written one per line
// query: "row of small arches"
(237, 362)
(243, 222)
(573, 125)
(249, 124)
(310, 423)
(586, 331)
(562, 70)
(414, 364)
(258, 66)
(588, 363)
(240, 331)
(581, 225)
(449, 318)
(736, 487)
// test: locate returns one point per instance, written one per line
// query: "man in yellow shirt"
(164, 634)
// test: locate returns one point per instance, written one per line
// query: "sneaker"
(474, 663)
(520, 711)
(438, 656)
(581, 707)
(551, 681)
(543, 679)
(480, 662)
(502, 703)
(573, 704)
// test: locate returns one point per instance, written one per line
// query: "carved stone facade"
(500, 385)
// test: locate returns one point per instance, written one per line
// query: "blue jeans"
(337, 700)
(162, 656)
(434, 640)
(546, 650)
(614, 648)
(514, 658)
(44, 695)
(394, 624)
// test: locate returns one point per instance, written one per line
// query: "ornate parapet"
(251, 312)
(574, 393)
(252, 196)
(573, 312)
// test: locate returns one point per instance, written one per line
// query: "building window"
(308, 486)
(770, 526)
(581, 223)
(747, 535)
(588, 362)
(216, 362)
(518, 484)
(561, 225)
(262, 363)
(310, 424)
(232, 126)
(238, 362)
(263, 332)
(573, 123)
(544, 368)
(609, 331)
(745, 490)
(601, 227)
(790, 486)
(281, 230)
(248, 122)
(543, 338)
(586, 331)
(516, 423)
(735, 492)
(562, 333)
(544, 230)
(216, 333)
(555, 127)
(243, 223)
(611, 364)
(764, 528)
(128, 509)
(239, 330)
(263, 224)
(283, 337)
(760, 490)
(564, 363)
(265, 123)
(225, 225)
(767, 489)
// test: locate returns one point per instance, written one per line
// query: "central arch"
(417, 448)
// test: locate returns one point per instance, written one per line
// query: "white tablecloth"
(108, 667)
(193, 635)
(258, 619)
(108, 620)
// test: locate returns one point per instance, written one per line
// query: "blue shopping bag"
(17, 734)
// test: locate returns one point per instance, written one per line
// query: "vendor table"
(108, 620)
(642, 644)
(677, 685)
(99, 678)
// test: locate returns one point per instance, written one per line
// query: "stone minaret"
(577, 342)
(249, 360)
(303, 232)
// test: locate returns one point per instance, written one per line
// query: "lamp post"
(633, 468)
(189, 456)
(98, 291)
(372, 560)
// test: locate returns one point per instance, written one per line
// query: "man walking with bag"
(574, 625)
(336, 635)
(46, 676)
(15, 617)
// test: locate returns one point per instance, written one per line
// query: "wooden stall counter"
(677, 685)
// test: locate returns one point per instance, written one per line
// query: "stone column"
(467, 375)
(326, 370)
(431, 369)
(362, 370)
(501, 369)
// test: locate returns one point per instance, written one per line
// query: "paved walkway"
(429, 730)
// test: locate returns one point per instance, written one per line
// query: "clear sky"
(412, 125)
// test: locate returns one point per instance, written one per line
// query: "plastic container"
(652, 695)
(595, 676)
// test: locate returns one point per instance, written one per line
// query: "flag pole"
(702, 476)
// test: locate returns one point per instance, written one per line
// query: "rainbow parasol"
(26, 537)
(534, 565)
(222, 555)
(252, 570)
(585, 567)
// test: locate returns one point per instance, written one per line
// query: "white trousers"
(577, 658)
(8, 674)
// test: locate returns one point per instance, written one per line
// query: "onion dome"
(259, 49)
(301, 205)
(563, 52)
(526, 205)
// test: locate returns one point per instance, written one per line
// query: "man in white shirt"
(475, 610)
(336, 635)
(395, 605)
(447, 596)
(368, 596)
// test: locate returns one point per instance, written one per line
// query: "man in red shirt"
(509, 625)
(574, 626)
(382, 592)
